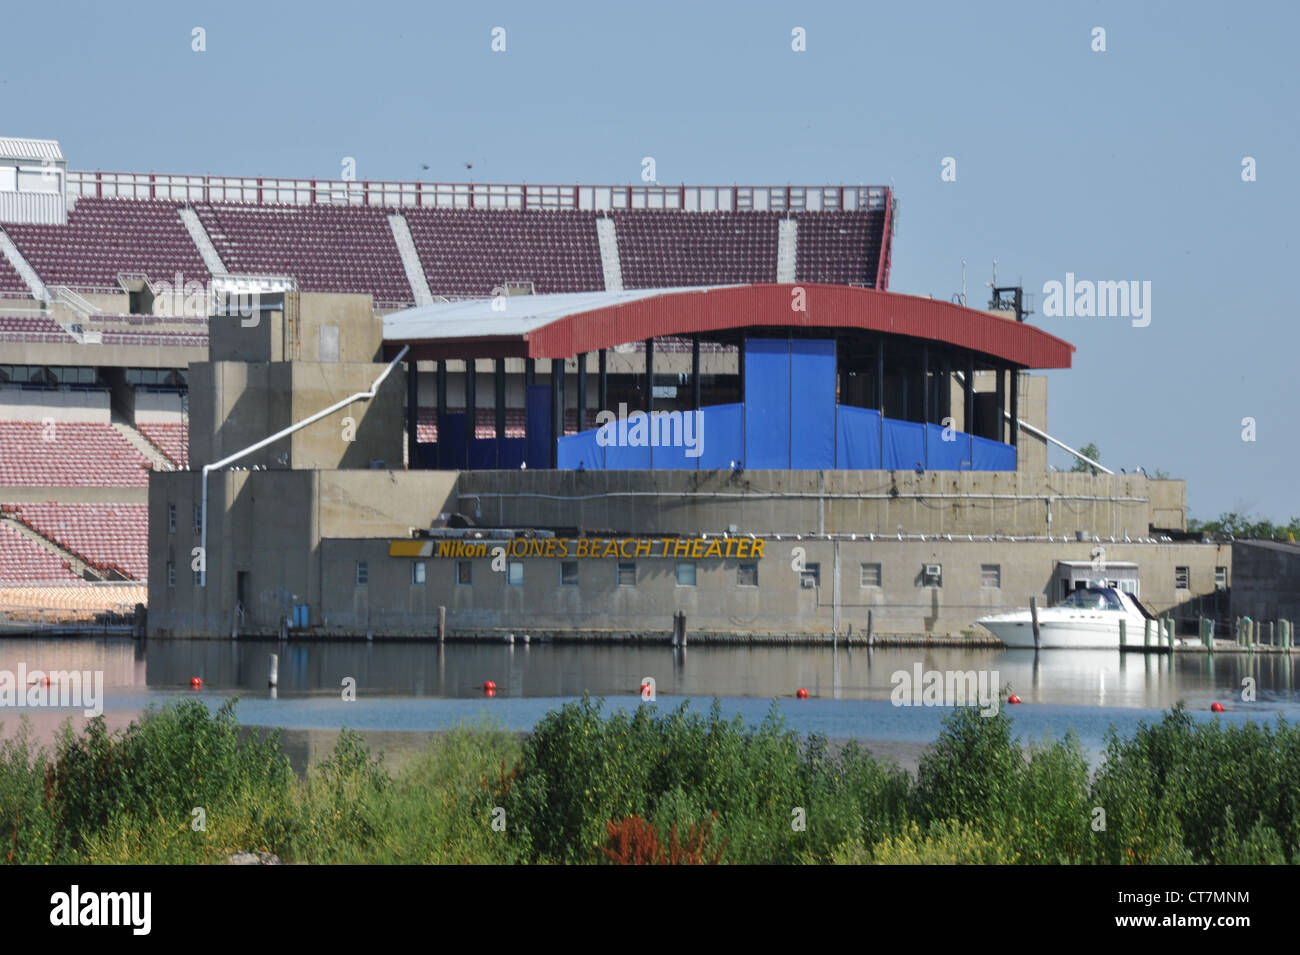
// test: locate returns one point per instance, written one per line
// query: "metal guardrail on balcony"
(262, 190)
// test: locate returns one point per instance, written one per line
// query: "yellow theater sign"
(628, 548)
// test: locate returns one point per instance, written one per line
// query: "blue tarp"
(857, 438)
(904, 445)
(482, 454)
(627, 459)
(767, 403)
(989, 455)
(512, 453)
(722, 436)
(812, 403)
(538, 423)
(451, 441)
(941, 455)
(581, 449)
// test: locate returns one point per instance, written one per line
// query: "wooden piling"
(1169, 632)
(1033, 617)
(1123, 635)
(273, 672)
(442, 623)
(1146, 634)
(871, 635)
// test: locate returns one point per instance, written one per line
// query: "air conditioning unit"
(933, 570)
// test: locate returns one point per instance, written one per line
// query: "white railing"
(262, 190)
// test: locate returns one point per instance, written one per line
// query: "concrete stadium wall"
(158, 407)
(126, 356)
(61, 405)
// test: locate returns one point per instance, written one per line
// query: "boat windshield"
(1093, 598)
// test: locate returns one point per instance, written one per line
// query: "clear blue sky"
(1115, 166)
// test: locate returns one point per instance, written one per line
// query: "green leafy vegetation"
(1245, 527)
(653, 787)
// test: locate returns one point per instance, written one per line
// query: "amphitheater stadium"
(255, 405)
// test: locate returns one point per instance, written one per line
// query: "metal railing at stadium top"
(261, 190)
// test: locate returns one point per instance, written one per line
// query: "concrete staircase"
(202, 241)
(609, 260)
(415, 276)
(79, 566)
(142, 444)
(787, 250)
(23, 268)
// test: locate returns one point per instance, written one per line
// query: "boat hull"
(1017, 632)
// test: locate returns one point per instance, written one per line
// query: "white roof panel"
(37, 149)
(475, 318)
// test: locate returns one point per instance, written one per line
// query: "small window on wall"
(464, 573)
(171, 518)
(171, 573)
(627, 573)
(363, 573)
(991, 575)
(932, 575)
(685, 573)
(417, 572)
(747, 574)
(1182, 578)
(515, 573)
(811, 576)
(569, 573)
(870, 575)
(1220, 578)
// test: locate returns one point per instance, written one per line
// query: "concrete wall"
(391, 603)
(62, 405)
(299, 536)
(158, 407)
(1265, 581)
(248, 401)
(268, 524)
(126, 356)
(792, 502)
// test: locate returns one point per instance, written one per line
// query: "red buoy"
(489, 686)
(195, 683)
(1013, 698)
(801, 693)
(1216, 707)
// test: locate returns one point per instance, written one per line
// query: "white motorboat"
(1088, 619)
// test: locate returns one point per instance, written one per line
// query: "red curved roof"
(591, 326)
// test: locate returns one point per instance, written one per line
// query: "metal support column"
(442, 405)
(557, 409)
(412, 414)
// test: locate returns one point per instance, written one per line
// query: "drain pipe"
(218, 465)
(1047, 437)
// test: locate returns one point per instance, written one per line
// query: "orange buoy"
(801, 693)
(1216, 707)
(489, 686)
(1013, 698)
(195, 682)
